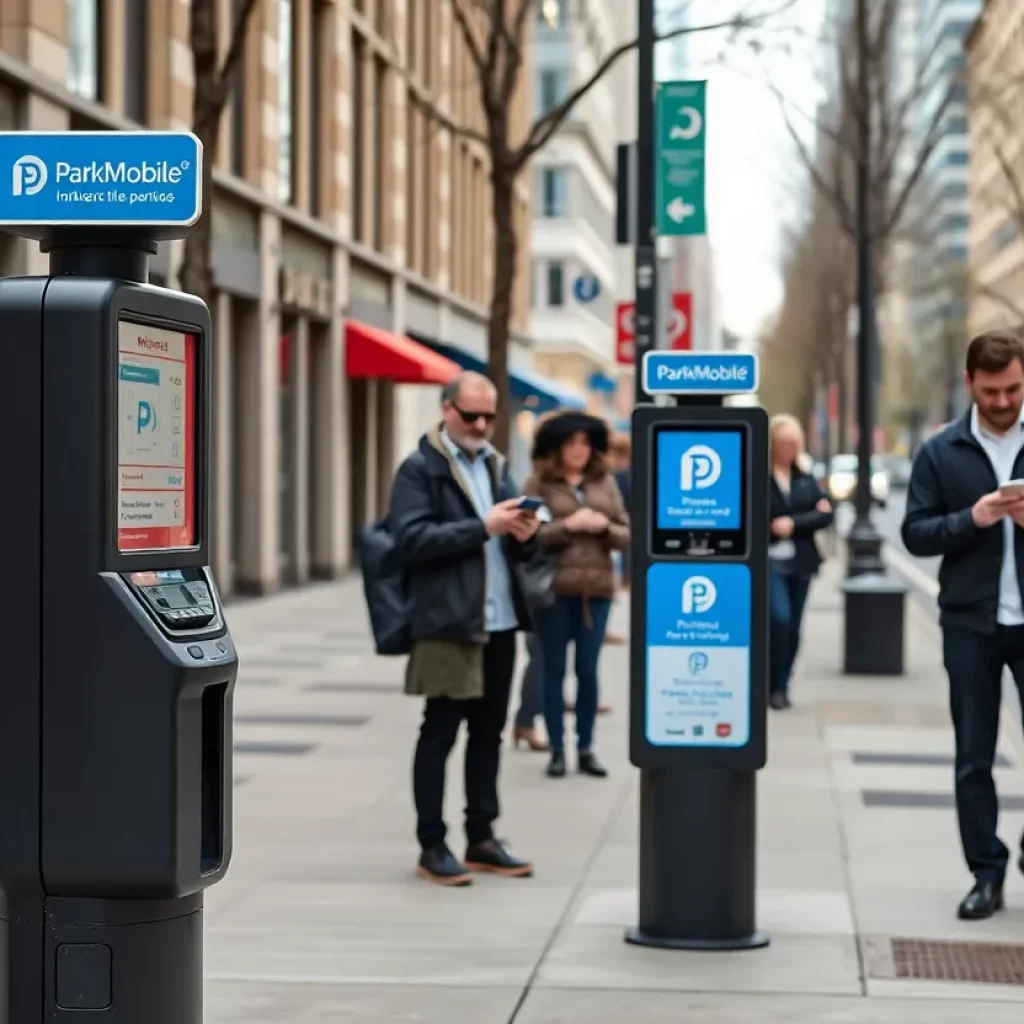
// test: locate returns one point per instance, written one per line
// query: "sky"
(753, 168)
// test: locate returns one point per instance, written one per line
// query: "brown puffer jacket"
(584, 559)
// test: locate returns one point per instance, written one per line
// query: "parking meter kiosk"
(699, 652)
(116, 698)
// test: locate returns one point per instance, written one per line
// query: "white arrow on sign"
(679, 211)
(676, 327)
(627, 320)
(692, 128)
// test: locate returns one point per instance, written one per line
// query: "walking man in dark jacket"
(456, 522)
(955, 509)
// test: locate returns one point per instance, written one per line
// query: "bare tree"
(496, 35)
(214, 80)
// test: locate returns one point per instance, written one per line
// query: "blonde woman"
(799, 508)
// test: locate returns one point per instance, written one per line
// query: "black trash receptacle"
(875, 611)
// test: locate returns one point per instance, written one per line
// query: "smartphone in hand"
(533, 504)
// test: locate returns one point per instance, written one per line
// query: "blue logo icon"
(29, 176)
(697, 662)
(146, 418)
(100, 178)
(699, 479)
(698, 730)
(699, 595)
(586, 288)
(699, 373)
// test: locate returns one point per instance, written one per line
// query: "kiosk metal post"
(699, 647)
(116, 705)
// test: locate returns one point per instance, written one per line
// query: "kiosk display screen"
(156, 387)
(700, 492)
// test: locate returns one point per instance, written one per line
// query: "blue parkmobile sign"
(698, 655)
(699, 480)
(100, 179)
(699, 373)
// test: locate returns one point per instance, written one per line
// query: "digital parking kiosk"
(116, 702)
(698, 649)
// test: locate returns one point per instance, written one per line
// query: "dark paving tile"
(346, 721)
(915, 760)
(909, 800)
(283, 749)
(381, 688)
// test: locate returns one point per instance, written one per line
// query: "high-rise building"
(347, 221)
(996, 69)
(573, 272)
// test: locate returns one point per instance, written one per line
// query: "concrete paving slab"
(245, 1002)
(547, 1006)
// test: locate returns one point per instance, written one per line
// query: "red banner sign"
(679, 328)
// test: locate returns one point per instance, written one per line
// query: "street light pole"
(875, 603)
(865, 543)
(646, 262)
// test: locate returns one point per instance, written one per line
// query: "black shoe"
(493, 858)
(981, 902)
(439, 865)
(777, 701)
(1020, 864)
(556, 766)
(589, 765)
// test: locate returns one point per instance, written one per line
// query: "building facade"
(573, 271)
(996, 67)
(351, 233)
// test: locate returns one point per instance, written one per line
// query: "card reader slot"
(213, 705)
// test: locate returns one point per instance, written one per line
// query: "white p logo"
(698, 595)
(700, 468)
(29, 176)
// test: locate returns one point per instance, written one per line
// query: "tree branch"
(549, 123)
(436, 114)
(462, 19)
(236, 47)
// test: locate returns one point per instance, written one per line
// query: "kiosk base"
(698, 860)
(141, 961)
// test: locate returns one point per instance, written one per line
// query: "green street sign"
(681, 122)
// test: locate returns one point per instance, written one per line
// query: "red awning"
(377, 354)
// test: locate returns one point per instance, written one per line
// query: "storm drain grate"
(371, 688)
(907, 800)
(345, 721)
(983, 962)
(914, 760)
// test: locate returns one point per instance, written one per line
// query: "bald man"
(457, 524)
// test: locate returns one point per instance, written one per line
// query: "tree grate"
(987, 963)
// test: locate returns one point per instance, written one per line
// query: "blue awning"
(603, 383)
(529, 390)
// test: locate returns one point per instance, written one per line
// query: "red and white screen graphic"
(156, 384)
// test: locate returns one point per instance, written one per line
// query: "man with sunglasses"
(457, 524)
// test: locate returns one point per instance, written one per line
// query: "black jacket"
(951, 472)
(804, 495)
(441, 540)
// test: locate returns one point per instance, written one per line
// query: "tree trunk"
(197, 265)
(505, 255)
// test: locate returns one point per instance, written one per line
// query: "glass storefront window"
(285, 99)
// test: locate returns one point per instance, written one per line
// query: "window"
(84, 40)
(380, 92)
(552, 89)
(237, 106)
(412, 195)
(955, 126)
(954, 190)
(957, 158)
(136, 64)
(285, 100)
(554, 191)
(357, 150)
(556, 284)
(954, 222)
(317, 34)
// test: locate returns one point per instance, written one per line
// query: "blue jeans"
(558, 626)
(531, 690)
(787, 596)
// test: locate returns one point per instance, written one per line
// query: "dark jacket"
(804, 495)
(441, 540)
(951, 472)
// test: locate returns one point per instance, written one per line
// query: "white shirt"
(1002, 451)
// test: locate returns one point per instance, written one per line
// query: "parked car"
(897, 467)
(842, 480)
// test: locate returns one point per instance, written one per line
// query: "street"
(322, 917)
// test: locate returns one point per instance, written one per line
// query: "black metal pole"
(646, 263)
(865, 543)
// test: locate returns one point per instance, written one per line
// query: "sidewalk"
(322, 918)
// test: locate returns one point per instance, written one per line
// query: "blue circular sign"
(586, 288)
